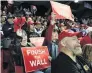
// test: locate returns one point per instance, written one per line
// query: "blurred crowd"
(16, 29)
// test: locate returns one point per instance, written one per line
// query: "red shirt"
(18, 23)
(85, 40)
(49, 33)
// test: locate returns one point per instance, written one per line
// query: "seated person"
(69, 59)
(21, 41)
(87, 52)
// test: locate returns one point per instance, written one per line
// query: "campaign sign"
(37, 41)
(62, 11)
(35, 58)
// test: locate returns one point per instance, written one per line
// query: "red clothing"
(18, 23)
(49, 33)
(66, 33)
(85, 40)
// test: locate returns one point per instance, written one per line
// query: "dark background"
(78, 9)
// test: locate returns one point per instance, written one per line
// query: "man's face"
(3, 19)
(29, 19)
(10, 20)
(4, 13)
(73, 44)
(31, 27)
(45, 23)
(38, 26)
(62, 27)
(54, 36)
(73, 25)
(24, 38)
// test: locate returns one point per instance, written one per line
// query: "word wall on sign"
(35, 58)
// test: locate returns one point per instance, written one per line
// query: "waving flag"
(62, 11)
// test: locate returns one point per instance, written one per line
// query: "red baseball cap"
(30, 22)
(64, 34)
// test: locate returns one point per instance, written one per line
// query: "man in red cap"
(31, 29)
(69, 60)
(19, 20)
(88, 38)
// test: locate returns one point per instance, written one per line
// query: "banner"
(62, 11)
(37, 41)
(35, 58)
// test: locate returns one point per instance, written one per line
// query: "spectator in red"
(31, 29)
(69, 59)
(83, 29)
(19, 21)
(67, 26)
(88, 38)
(52, 37)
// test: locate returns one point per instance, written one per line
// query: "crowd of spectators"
(16, 29)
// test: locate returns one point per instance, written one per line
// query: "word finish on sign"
(35, 52)
(38, 60)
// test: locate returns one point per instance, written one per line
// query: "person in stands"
(88, 38)
(87, 53)
(21, 40)
(31, 28)
(69, 59)
(8, 34)
(52, 38)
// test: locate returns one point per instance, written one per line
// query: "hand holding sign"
(37, 41)
(62, 11)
